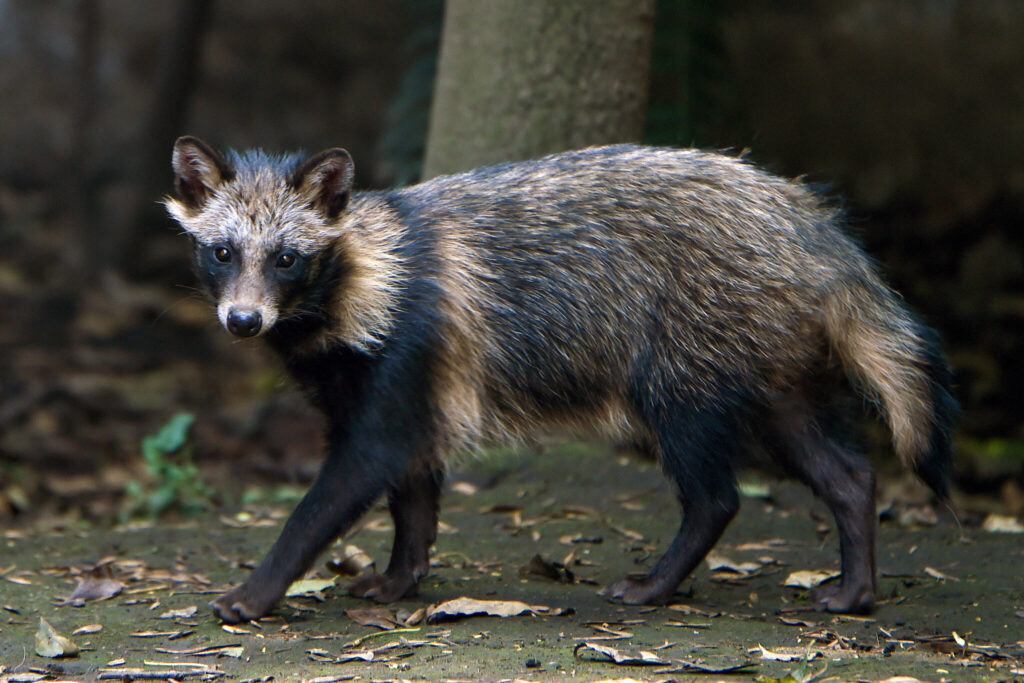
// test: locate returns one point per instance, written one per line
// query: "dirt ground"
(951, 595)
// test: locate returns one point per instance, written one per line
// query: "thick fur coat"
(682, 300)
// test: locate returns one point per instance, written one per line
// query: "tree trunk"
(522, 78)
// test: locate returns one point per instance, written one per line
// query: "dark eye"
(222, 254)
(285, 260)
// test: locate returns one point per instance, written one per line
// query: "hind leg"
(413, 504)
(696, 449)
(810, 446)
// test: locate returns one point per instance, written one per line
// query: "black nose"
(244, 323)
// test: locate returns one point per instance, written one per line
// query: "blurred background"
(911, 114)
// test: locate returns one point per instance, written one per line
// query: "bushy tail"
(897, 361)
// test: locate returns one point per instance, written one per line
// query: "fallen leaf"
(97, 583)
(20, 580)
(235, 630)
(183, 613)
(648, 658)
(784, 656)
(309, 587)
(755, 489)
(233, 650)
(378, 524)
(379, 617)
(468, 607)
(548, 569)
(159, 634)
(687, 609)
(190, 665)
(628, 533)
(572, 511)
(407, 618)
(1002, 524)
(353, 561)
(149, 674)
(642, 658)
(809, 578)
(88, 628)
(936, 574)
(768, 544)
(573, 539)
(26, 677)
(718, 562)
(49, 643)
(465, 488)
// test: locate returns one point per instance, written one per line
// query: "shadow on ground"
(951, 599)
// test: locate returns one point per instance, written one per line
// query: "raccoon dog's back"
(575, 276)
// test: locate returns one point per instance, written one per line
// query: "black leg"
(697, 448)
(342, 492)
(811, 447)
(413, 504)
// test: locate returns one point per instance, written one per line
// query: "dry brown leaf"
(380, 617)
(335, 678)
(20, 580)
(1002, 524)
(581, 511)
(183, 613)
(547, 569)
(572, 539)
(767, 544)
(150, 674)
(936, 574)
(686, 609)
(352, 562)
(724, 568)
(236, 630)
(96, 583)
(411, 619)
(159, 634)
(628, 533)
(809, 578)
(49, 643)
(468, 607)
(648, 658)
(784, 656)
(465, 488)
(309, 588)
(233, 650)
(641, 658)
(87, 629)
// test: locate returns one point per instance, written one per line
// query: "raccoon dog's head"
(262, 228)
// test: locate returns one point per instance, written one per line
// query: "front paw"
(244, 603)
(646, 591)
(384, 587)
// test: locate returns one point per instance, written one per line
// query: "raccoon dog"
(680, 299)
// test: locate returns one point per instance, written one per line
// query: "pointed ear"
(326, 178)
(198, 170)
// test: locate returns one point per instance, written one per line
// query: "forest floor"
(548, 531)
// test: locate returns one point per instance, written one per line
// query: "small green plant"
(175, 479)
